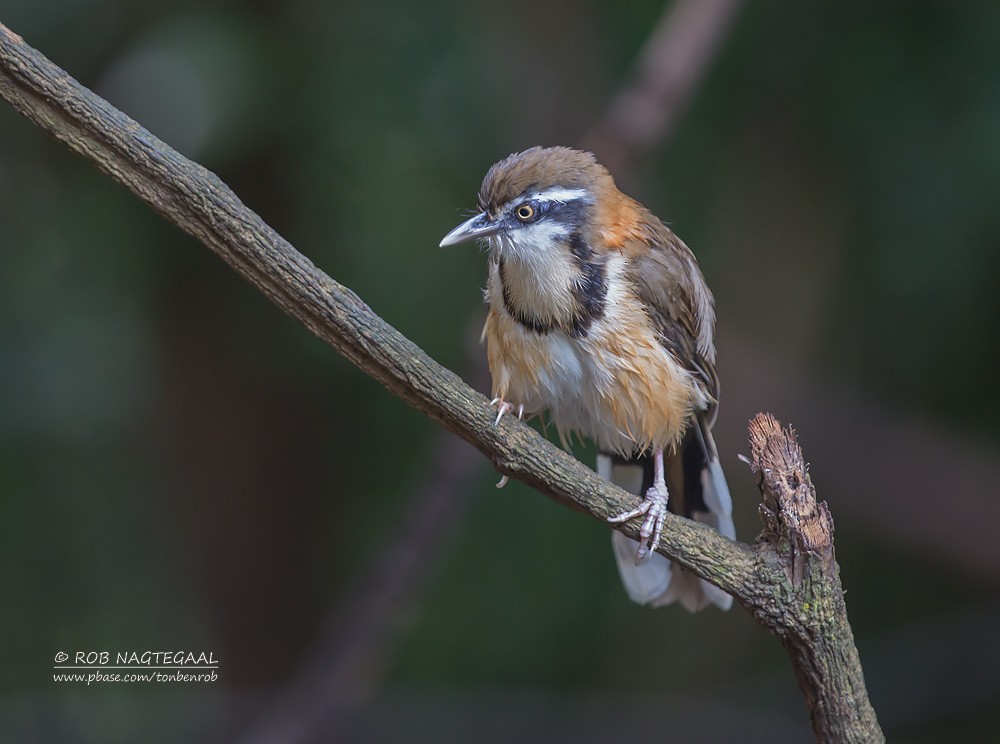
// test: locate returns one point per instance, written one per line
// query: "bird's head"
(533, 201)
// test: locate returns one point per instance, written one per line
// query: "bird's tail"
(698, 490)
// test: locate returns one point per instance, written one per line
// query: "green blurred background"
(184, 467)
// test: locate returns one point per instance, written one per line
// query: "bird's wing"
(666, 278)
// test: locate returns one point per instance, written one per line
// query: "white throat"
(539, 274)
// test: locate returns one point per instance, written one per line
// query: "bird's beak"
(480, 226)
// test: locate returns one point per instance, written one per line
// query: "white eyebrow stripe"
(558, 194)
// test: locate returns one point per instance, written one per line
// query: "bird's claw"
(505, 407)
(654, 508)
(502, 408)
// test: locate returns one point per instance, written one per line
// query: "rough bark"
(788, 580)
(806, 608)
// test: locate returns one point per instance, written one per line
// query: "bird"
(599, 319)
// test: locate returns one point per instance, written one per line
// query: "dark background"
(184, 467)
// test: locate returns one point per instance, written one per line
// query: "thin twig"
(670, 67)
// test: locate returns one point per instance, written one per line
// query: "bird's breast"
(615, 383)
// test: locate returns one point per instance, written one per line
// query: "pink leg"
(654, 507)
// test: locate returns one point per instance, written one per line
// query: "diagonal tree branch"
(197, 201)
(789, 581)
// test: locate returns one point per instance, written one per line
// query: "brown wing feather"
(667, 279)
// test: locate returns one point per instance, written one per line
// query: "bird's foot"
(502, 408)
(654, 507)
(505, 407)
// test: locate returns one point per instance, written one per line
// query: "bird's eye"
(525, 212)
